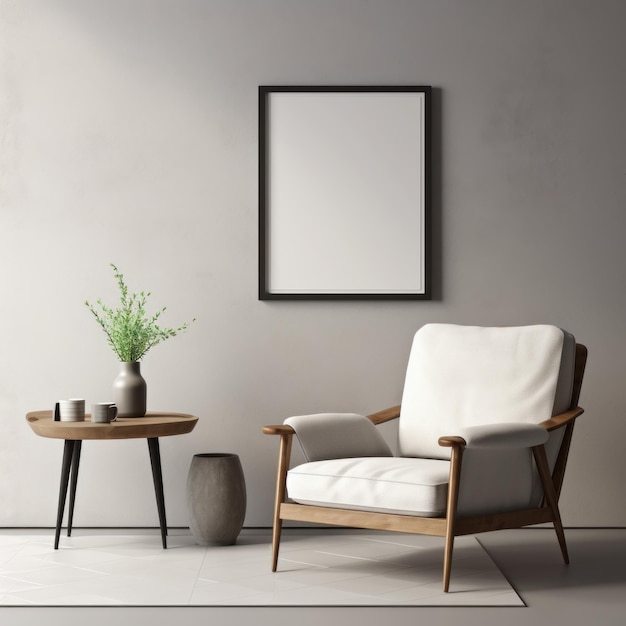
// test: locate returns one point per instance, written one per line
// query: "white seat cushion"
(387, 485)
(417, 487)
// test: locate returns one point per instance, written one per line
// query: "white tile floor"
(316, 568)
(591, 590)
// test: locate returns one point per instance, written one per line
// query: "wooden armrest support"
(452, 442)
(281, 429)
(563, 418)
(385, 415)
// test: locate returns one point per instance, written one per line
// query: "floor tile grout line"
(480, 543)
(348, 556)
(393, 543)
(195, 584)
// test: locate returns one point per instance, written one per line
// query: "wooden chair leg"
(281, 481)
(550, 494)
(278, 524)
(453, 498)
(447, 561)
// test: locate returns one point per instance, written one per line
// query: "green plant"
(131, 333)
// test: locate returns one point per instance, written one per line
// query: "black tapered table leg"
(73, 481)
(68, 453)
(155, 461)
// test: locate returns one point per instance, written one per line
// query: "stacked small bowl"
(72, 410)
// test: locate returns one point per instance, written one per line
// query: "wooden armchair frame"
(451, 525)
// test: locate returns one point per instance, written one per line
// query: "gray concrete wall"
(128, 134)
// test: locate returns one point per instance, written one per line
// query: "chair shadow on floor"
(596, 559)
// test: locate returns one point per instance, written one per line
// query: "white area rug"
(322, 567)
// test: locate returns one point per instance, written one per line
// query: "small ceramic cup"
(72, 410)
(103, 412)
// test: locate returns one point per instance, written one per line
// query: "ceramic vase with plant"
(131, 333)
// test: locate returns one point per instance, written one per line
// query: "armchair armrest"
(279, 429)
(386, 415)
(498, 436)
(380, 417)
(556, 421)
(509, 435)
(335, 435)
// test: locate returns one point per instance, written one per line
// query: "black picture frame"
(344, 192)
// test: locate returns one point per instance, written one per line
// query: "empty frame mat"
(344, 192)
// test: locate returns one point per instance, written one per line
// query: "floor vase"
(216, 498)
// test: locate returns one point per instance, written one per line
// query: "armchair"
(484, 433)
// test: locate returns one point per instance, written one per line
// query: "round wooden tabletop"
(154, 424)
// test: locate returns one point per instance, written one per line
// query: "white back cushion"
(468, 375)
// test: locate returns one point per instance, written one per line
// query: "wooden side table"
(150, 427)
